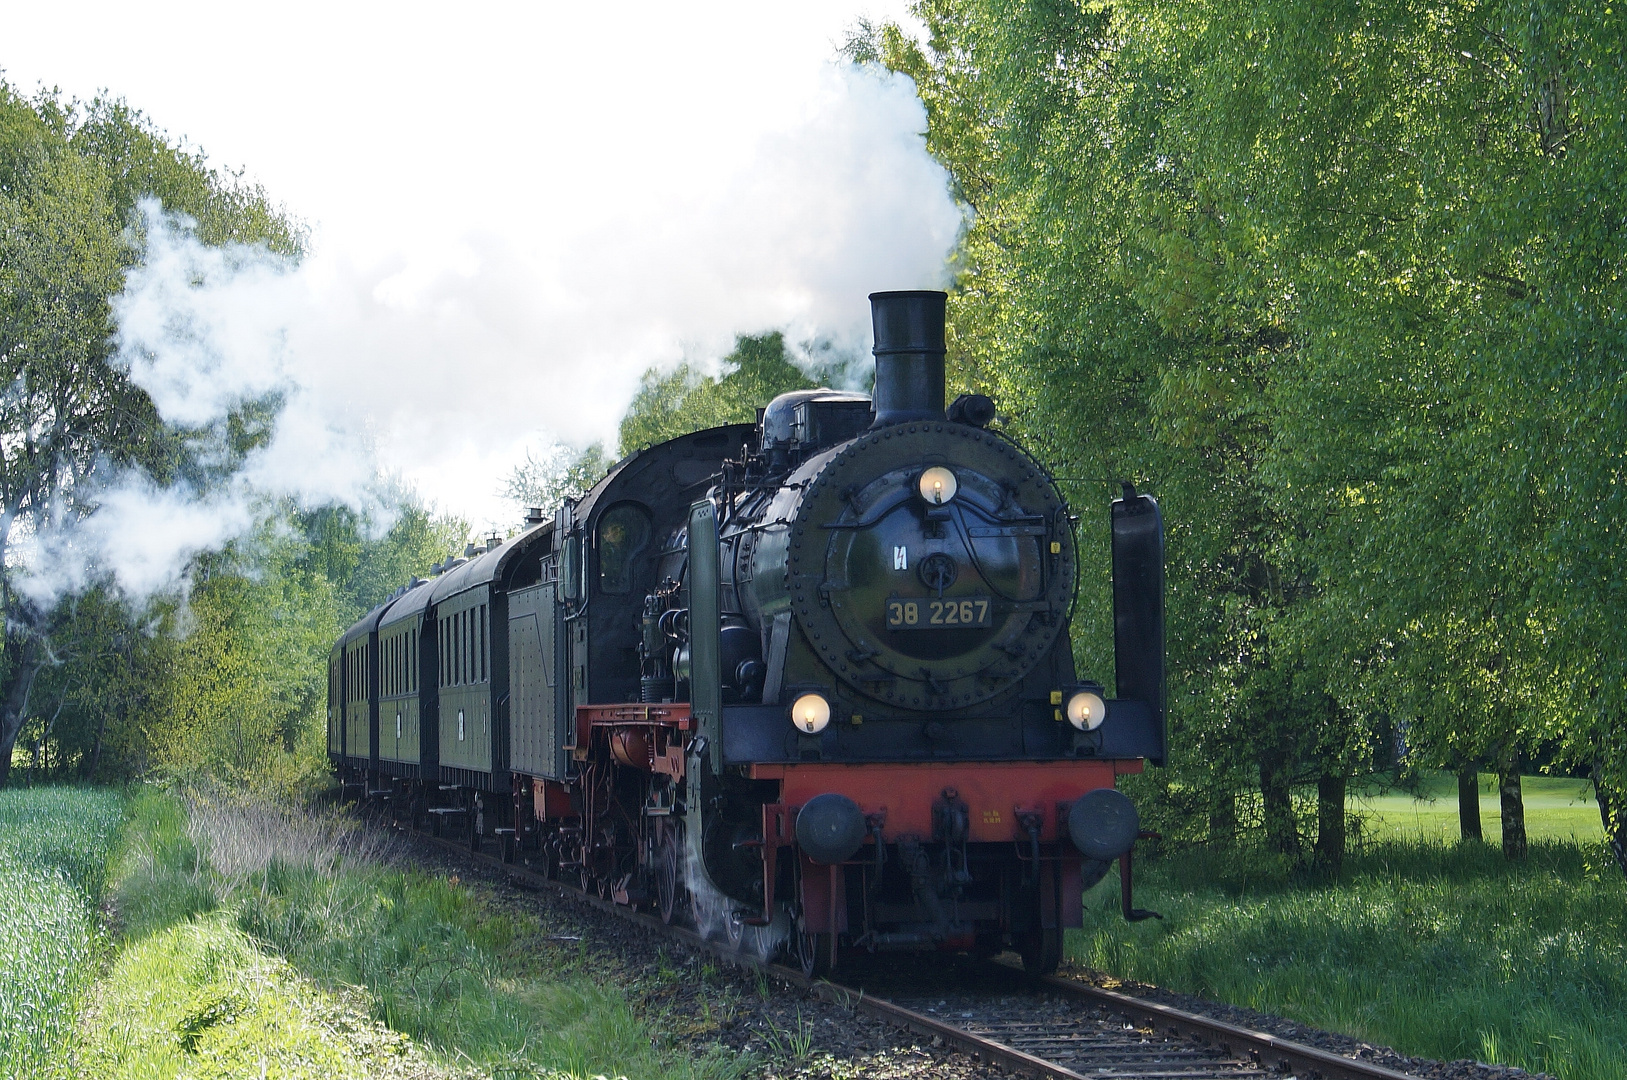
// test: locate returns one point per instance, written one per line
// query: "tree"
(545, 482)
(69, 179)
(684, 400)
(1115, 368)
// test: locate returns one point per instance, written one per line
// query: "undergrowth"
(54, 848)
(1445, 951)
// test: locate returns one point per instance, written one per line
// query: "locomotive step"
(446, 810)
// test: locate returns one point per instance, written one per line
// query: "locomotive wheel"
(669, 873)
(734, 928)
(812, 953)
(1041, 951)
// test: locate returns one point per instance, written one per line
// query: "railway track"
(1049, 1027)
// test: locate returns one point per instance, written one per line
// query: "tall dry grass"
(243, 837)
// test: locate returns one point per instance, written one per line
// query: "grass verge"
(54, 849)
(1444, 951)
(278, 937)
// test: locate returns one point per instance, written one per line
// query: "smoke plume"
(441, 356)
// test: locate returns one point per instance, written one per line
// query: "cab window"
(624, 533)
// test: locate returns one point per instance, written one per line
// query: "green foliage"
(1440, 951)
(1053, 319)
(54, 850)
(233, 682)
(70, 179)
(560, 473)
(246, 696)
(230, 678)
(684, 400)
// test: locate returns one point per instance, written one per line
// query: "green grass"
(54, 850)
(1445, 951)
(222, 898)
(203, 1000)
(1556, 808)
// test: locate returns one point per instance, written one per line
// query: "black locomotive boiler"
(806, 683)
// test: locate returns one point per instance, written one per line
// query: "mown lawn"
(54, 849)
(1441, 949)
(1556, 808)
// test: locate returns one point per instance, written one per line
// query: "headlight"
(938, 485)
(810, 714)
(1087, 710)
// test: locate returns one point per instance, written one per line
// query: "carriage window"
(624, 532)
(482, 642)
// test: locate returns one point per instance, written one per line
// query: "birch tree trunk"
(1508, 787)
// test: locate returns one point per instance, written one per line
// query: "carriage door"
(535, 719)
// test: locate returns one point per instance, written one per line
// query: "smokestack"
(909, 356)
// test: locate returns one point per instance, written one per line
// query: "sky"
(515, 208)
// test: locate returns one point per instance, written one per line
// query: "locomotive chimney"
(909, 356)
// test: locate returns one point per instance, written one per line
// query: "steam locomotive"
(805, 685)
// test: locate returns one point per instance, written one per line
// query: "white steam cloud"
(442, 356)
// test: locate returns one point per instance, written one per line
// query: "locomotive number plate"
(956, 612)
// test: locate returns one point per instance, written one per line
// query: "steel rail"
(1269, 1050)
